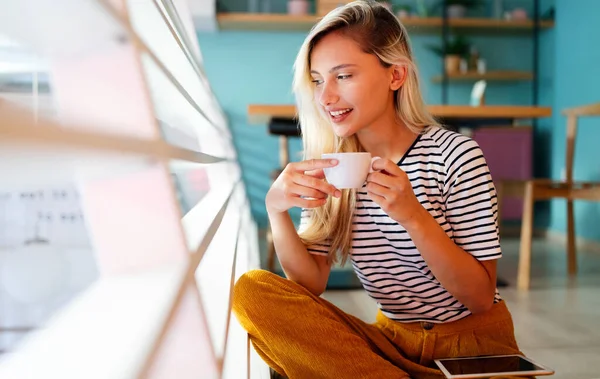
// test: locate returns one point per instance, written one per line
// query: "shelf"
(476, 23)
(285, 22)
(265, 22)
(262, 113)
(491, 75)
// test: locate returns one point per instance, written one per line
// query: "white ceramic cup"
(351, 171)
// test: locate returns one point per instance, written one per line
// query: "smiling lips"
(339, 115)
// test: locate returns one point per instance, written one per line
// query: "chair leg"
(571, 249)
(524, 270)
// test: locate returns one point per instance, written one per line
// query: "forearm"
(297, 263)
(458, 271)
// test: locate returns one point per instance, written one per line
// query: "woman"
(421, 234)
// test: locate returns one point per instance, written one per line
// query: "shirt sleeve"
(316, 249)
(471, 200)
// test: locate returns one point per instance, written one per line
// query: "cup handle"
(371, 166)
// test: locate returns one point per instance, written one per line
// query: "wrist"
(418, 221)
(272, 210)
(275, 213)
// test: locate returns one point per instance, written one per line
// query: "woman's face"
(351, 87)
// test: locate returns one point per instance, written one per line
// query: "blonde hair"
(378, 32)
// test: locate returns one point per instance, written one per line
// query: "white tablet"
(493, 365)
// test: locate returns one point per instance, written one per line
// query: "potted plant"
(456, 49)
(298, 7)
(458, 8)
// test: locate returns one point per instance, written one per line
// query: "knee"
(249, 292)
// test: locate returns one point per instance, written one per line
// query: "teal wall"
(542, 146)
(256, 67)
(577, 82)
(245, 68)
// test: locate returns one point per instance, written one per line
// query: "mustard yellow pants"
(301, 335)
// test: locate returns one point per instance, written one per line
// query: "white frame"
(448, 375)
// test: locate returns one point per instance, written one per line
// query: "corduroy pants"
(303, 336)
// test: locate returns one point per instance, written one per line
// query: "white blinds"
(140, 134)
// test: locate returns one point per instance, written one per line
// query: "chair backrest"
(572, 117)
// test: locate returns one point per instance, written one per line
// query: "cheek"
(373, 97)
(381, 90)
(316, 93)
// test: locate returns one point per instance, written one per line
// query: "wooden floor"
(557, 322)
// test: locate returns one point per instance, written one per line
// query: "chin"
(343, 131)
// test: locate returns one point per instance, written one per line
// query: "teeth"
(337, 113)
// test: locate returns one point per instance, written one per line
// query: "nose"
(328, 94)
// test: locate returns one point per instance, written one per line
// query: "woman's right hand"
(301, 184)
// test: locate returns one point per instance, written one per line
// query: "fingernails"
(334, 161)
(337, 193)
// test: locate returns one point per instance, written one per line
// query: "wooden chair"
(545, 189)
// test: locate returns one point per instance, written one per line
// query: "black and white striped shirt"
(451, 179)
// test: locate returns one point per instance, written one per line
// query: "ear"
(399, 74)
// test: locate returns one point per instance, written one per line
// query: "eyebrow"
(336, 68)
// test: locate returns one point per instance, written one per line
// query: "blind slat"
(143, 47)
(215, 274)
(18, 127)
(199, 236)
(122, 315)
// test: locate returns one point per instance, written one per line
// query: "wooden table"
(281, 118)
(264, 113)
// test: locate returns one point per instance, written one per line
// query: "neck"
(387, 138)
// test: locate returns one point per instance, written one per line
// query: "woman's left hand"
(389, 187)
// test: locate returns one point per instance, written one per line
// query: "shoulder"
(455, 148)
(450, 142)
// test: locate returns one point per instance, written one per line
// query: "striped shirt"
(451, 179)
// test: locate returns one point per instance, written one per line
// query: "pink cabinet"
(508, 152)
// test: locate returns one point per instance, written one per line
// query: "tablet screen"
(482, 365)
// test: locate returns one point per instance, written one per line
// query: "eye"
(317, 81)
(342, 77)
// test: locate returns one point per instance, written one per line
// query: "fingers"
(376, 189)
(308, 203)
(319, 174)
(294, 189)
(318, 184)
(381, 179)
(376, 198)
(386, 165)
(314, 164)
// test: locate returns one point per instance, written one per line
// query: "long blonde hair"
(378, 32)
